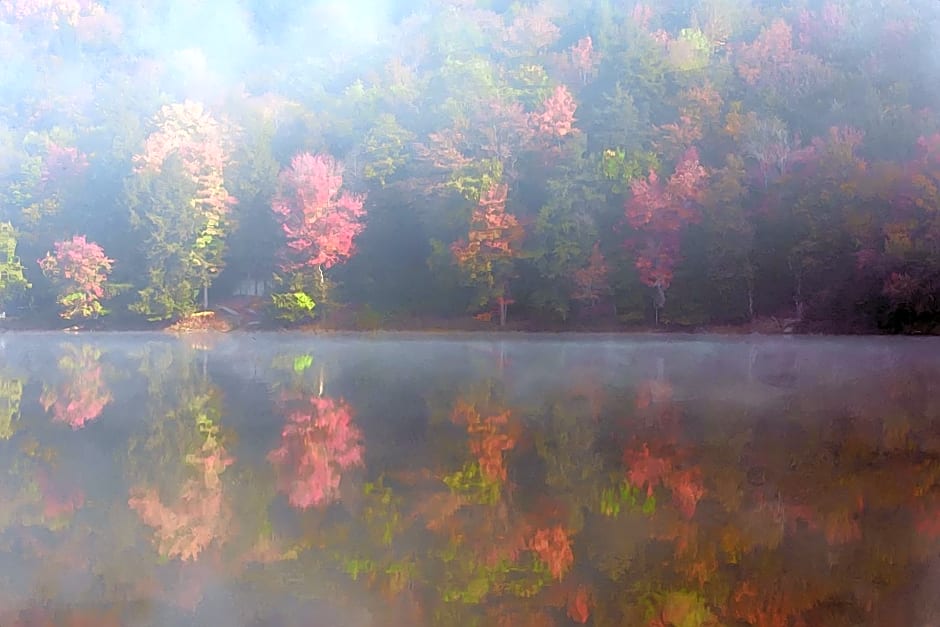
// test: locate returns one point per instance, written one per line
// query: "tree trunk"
(205, 295)
(659, 300)
(503, 306)
(750, 301)
(798, 298)
(798, 292)
(320, 296)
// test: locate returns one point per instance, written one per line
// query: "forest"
(536, 165)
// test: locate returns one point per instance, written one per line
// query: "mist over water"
(402, 480)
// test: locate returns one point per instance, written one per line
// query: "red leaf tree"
(591, 282)
(659, 212)
(320, 221)
(556, 118)
(80, 270)
(771, 63)
(488, 252)
(63, 161)
(584, 58)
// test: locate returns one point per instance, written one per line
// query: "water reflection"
(283, 480)
(81, 394)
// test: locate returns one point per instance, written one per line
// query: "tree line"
(686, 163)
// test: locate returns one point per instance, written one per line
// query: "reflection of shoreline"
(781, 474)
(456, 326)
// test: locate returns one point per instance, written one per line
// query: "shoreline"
(452, 332)
(219, 323)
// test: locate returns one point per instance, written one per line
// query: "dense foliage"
(684, 162)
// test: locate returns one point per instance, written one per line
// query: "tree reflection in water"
(635, 482)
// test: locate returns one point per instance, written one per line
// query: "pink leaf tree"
(580, 61)
(319, 219)
(63, 161)
(80, 270)
(555, 120)
(659, 212)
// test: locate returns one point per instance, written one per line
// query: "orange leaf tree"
(488, 252)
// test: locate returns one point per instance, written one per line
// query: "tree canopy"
(681, 163)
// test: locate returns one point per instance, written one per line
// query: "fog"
(654, 242)
(400, 479)
(470, 165)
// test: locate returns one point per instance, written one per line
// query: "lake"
(279, 479)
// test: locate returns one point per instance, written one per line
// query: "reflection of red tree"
(651, 392)
(512, 615)
(927, 519)
(83, 395)
(198, 517)
(768, 606)
(840, 526)
(58, 503)
(553, 546)
(646, 469)
(72, 617)
(660, 460)
(318, 442)
(579, 604)
(489, 438)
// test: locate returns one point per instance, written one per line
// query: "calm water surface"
(396, 480)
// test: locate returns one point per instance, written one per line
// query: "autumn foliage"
(319, 219)
(659, 211)
(592, 281)
(188, 132)
(596, 120)
(490, 246)
(556, 119)
(80, 269)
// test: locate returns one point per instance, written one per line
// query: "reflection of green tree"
(185, 451)
(33, 492)
(11, 393)
(198, 515)
(473, 484)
